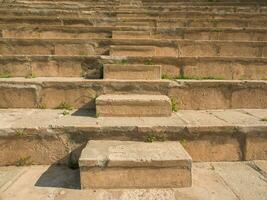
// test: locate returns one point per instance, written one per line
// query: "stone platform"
(45, 136)
(127, 164)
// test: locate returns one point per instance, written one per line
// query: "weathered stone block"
(133, 105)
(132, 72)
(125, 164)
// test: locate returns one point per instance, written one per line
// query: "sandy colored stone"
(214, 148)
(131, 34)
(256, 147)
(18, 96)
(125, 164)
(27, 132)
(244, 181)
(56, 182)
(132, 72)
(134, 154)
(135, 178)
(133, 105)
(132, 50)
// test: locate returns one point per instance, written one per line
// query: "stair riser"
(103, 7)
(170, 67)
(134, 110)
(134, 51)
(53, 145)
(132, 72)
(70, 13)
(188, 94)
(230, 35)
(139, 22)
(131, 35)
(138, 48)
(135, 178)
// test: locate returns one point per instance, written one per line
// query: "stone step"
(45, 136)
(127, 164)
(133, 105)
(127, 50)
(200, 68)
(133, 47)
(68, 32)
(171, 22)
(170, 14)
(81, 93)
(148, 2)
(132, 72)
(135, 23)
(165, 7)
(131, 34)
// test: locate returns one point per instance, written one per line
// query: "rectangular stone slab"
(132, 72)
(127, 50)
(133, 105)
(131, 34)
(127, 164)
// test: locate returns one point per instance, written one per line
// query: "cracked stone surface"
(211, 181)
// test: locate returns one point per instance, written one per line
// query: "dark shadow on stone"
(60, 176)
(64, 173)
(84, 113)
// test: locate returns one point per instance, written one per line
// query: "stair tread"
(131, 97)
(135, 163)
(203, 120)
(134, 154)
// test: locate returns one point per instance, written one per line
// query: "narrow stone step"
(129, 23)
(123, 50)
(133, 105)
(132, 72)
(131, 34)
(126, 164)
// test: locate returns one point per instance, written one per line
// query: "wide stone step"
(152, 22)
(166, 14)
(126, 164)
(45, 136)
(200, 68)
(81, 93)
(165, 7)
(135, 23)
(132, 72)
(133, 47)
(68, 32)
(133, 105)
(127, 50)
(131, 34)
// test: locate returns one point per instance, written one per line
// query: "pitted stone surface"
(134, 154)
(128, 164)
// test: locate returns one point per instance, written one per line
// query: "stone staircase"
(120, 70)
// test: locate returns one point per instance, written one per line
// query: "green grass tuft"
(30, 76)
(5, 75)
(41, 106)
(65, 112)
(149, 62)
(65, 106)
(174, 105)
(24, 161)
(153, 138)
